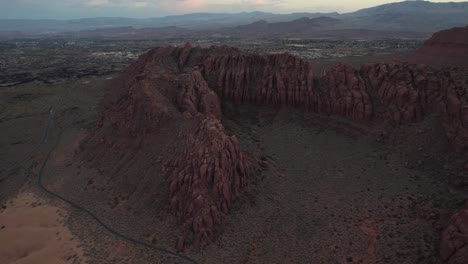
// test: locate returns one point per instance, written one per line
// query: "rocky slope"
(161, 125)
(407, 92)
(160, 131)
(445, 48)
(454, 243)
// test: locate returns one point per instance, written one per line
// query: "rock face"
(284, 80)
(445, 48)
(454, 243)
(400, 92)
(277, 80)
(160, 130)
(407, 92)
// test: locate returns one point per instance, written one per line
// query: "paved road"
(42, 144)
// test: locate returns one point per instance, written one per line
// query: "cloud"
(180, 6)
(140, 3)
(140, 8)
(260, 2)
(169, 5)
(94, 3)
(172, 5)
(65, 9)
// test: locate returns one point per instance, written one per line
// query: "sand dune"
(33, 232)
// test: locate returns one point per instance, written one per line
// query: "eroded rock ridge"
(160, 131)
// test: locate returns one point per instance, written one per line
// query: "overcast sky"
(64, 9)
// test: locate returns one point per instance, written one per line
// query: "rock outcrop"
(454, 243)
(445, 48)
(401, 92)
(407, 92)
(276, 80)
(160, 130)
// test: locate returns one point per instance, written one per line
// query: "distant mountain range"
(408, 17)
(301, 26)
(196, 21)
(319, 27)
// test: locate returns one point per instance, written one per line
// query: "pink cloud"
(183, 5)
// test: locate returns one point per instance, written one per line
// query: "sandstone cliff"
(160, 130)
(161, 127)
(401, 92)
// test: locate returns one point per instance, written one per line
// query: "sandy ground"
(33, 232)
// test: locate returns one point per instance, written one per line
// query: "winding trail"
(40, 146)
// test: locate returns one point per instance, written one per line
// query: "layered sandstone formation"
(160, 131)
(454, 243)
